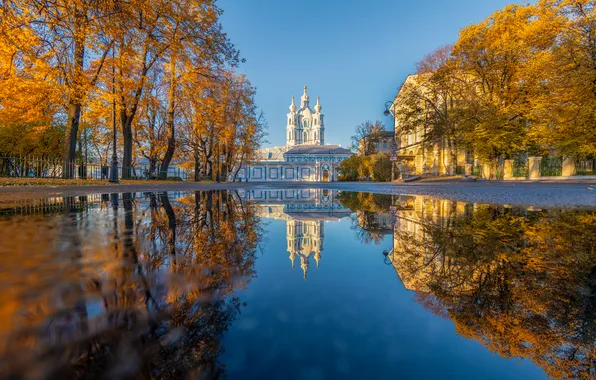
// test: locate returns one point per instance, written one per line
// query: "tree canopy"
(64, 65)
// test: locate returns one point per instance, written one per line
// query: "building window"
(305, 136)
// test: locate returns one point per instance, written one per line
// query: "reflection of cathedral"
(305, 239)
(305, 212)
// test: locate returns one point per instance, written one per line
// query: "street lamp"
(114, 171)
(387, 112)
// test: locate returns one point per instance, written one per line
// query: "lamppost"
(114, 171)
(387, 112)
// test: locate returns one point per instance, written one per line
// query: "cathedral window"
(305, 136)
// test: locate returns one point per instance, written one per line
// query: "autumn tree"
(69, 36)
(184, 36)
(563, 77)
(221, 124)
(490, 59)
(149, 132)
(368, 134)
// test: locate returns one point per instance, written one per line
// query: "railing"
(53, 204)
(520, 167)
(551, 167)
(477, 170)
(585, 167)
(44, 167)
(500, 169)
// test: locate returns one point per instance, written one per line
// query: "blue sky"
(354, 54)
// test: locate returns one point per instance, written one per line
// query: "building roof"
(318, 149)
(272, 154)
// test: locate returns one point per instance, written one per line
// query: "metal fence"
(477, 170)
(551, 166)
(520, 167)
(44, 167)
(500, 169)
(585, 167)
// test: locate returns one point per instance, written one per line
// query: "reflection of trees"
(523, 283)
(148, 295)
(367, 209)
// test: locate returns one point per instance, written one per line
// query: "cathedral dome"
(305, 112)
(304, 97)
(304, 100)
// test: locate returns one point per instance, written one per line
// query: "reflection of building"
(415, 259)
(305, 212)
(379, 221)
(305, 157)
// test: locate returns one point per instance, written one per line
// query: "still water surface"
(307, 284)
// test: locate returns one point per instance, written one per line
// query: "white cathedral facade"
(305, 157)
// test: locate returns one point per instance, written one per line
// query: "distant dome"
(318, 107)
(304, 100)
(304, 97)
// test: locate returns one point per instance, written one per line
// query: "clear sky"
(354, 54)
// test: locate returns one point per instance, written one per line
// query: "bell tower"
(291, 135)
(305, 126)
(318, 125)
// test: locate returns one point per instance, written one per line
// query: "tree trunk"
(163, 171)
(70, 149)
(197, 165)
(76, 96)
(171, 222)
(127, 145)
(152, 166)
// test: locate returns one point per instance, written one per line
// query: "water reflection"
(520, 281)
(305, 212)
(122, 286)
(147, 285)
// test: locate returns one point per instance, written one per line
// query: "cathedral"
(305, 157)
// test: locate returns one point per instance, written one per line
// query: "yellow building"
(417, 155)
(383, 145)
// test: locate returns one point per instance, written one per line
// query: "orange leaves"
(56, 59)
